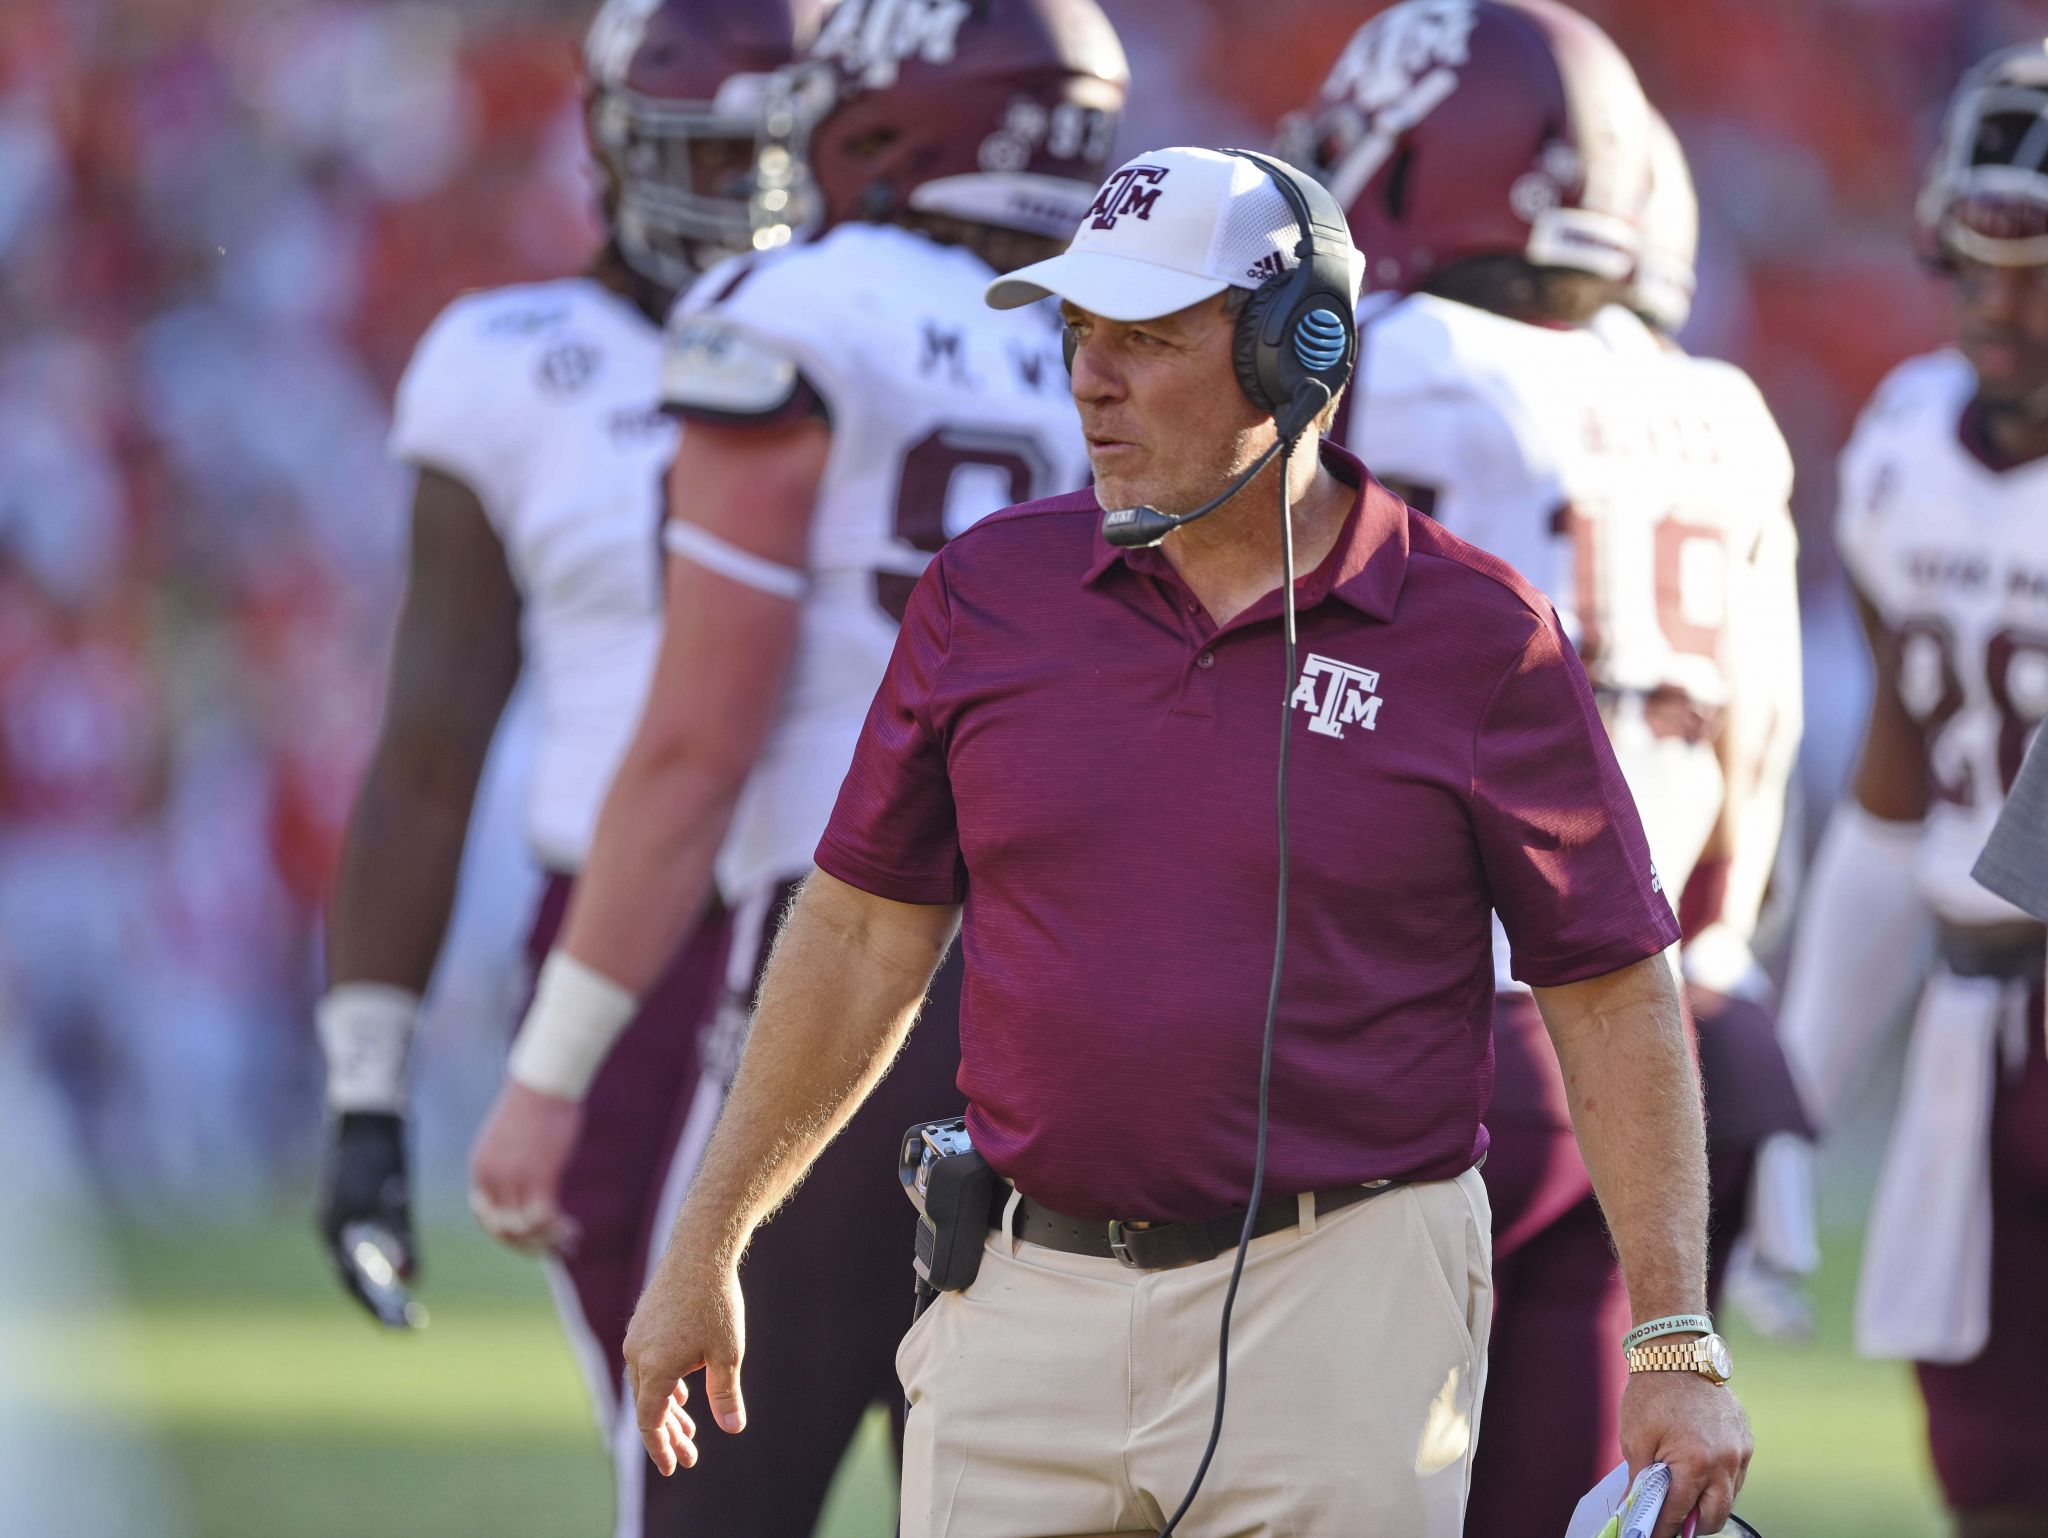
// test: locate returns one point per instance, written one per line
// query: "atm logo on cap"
(1133, 190)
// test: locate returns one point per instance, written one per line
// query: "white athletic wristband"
(576, 1015)
(1670, 1324)
(366, 1036)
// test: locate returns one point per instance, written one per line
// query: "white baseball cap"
(1167, 230)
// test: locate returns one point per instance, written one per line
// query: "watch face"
(1718, 1359)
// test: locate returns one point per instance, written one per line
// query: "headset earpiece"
(1246, 346)
(1299, 325)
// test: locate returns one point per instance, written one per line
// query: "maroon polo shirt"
(1067, 743)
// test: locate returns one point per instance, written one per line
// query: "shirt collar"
(1365, 567)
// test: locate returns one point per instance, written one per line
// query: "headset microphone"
(1134, 528)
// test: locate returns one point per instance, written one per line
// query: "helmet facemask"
(1987, 196)
(693, 181)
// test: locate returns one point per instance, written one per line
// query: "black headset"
(1299, 325)
(1295, 346)
(1300, 330)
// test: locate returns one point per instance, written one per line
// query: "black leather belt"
(1156, 1246)
(2015, 951)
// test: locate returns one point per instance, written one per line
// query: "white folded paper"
(1616, 1509)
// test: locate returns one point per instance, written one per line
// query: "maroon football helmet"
(675, 97)
(1458, 128)
(1986, 195)
(998, 112)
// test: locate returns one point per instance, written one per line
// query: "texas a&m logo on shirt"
(1133, 190)
(1336, 695)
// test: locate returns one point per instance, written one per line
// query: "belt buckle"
(1118, 1248)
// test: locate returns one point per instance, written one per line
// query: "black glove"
(365, 1214)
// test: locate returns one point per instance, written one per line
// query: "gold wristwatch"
(1706, 1355)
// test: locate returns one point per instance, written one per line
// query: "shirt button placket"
(1198, 681)
(1197, 678)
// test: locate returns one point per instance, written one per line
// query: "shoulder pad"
(1944, 378)
(712, 365)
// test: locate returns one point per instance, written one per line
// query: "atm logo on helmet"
(873, 39)
(1336, 695)
(1133, 190)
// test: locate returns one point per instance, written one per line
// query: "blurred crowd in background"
(223, 224)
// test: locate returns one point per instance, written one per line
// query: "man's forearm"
(649, 873)
(647, 881)
(396, 885)
(392, 898)
(454, 661)
(840, 995)
(1637, 1112)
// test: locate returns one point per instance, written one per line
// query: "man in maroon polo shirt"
(1070, 761)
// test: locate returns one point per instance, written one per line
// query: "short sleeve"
(754, 341)
(893, 830)
(448, 416)
(1566, 862)
(2014, 863)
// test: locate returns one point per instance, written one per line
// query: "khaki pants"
(1063, 1396)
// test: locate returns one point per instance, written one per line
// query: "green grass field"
(283, 1414)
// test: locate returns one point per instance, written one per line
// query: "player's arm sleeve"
(1566, 862)
(894, 831)
(1766, 721)
(2014, 863)
(1856, 958)
(1863, 930)
(449, 416)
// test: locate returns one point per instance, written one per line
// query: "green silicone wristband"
(1670, 1324)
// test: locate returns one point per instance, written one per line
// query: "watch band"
(1706, 1355)
(1664, 1356)
(1670, 1324)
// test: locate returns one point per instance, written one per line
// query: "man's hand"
(363, 1182)
(690, 1316)
(840, 993)
(1698, 1428)
(515, 1170)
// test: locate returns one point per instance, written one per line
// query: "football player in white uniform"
(1722, 908)
(850, 404)
(1943, 527)
(532, 415)
(1494, 158)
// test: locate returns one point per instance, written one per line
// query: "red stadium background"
(223, 224)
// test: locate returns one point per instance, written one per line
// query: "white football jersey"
(544, 400)
(942, 411)
(1609, 474)
(1737, 460)
(1954, 556)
